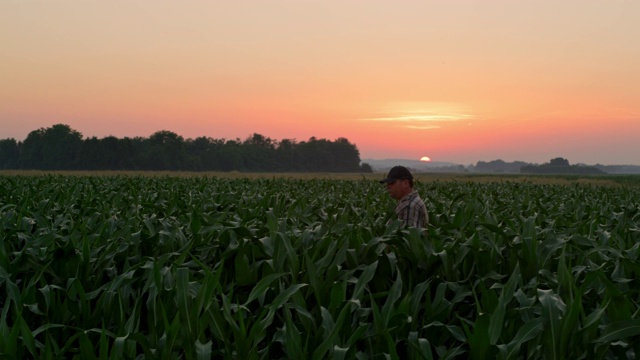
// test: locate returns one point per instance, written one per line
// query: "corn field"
(133, 267)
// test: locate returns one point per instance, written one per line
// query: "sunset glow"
(528, 80)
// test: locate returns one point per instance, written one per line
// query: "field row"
(195, 267)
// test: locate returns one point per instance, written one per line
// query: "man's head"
(399, 182)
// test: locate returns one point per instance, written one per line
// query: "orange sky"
(456, 80)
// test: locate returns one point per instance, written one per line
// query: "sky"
(455, 80)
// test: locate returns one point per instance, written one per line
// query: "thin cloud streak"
(422, 118)
(431, 127)
(416, 122)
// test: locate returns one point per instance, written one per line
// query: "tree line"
(60, 147)
(561, 166)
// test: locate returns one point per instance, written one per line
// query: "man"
(410, 208)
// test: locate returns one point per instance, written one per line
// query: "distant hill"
(561, 166)
(415, 165)
(486, 167)
(619, 169)
(499, 166)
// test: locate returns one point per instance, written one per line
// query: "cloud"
(421, 118)
(421, 121)
(428, 127)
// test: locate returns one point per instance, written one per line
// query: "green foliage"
(162, 267)
(62, 148)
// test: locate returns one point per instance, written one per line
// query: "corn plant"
(135, 267)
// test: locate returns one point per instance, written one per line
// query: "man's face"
(398, 189)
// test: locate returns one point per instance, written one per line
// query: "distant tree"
(164, 150)
(317, 155)
(366, 168)
(560, 166)
(108, 153)
(54, 148)
(118, 153)
(61, 148)
(199, 151)
(346, 155)
(230, 156)
(212, 161)
(91, 156)
(9, 154)
(31, 155)
(288, 156)
(560, 162)
(137, 148)
(259, 153)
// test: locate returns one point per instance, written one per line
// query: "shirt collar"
(409, 195)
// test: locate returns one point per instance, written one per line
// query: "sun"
(425, 158)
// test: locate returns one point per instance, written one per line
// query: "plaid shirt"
(412, 211)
